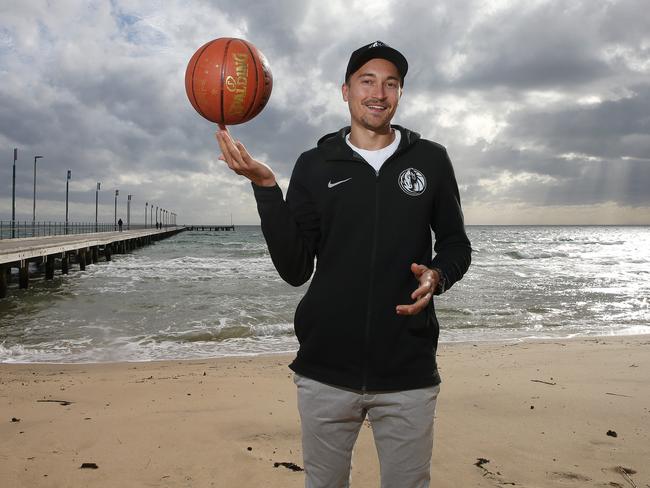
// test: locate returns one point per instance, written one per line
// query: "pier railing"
(16, 229)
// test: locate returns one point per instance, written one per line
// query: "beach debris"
(569, 476)
(291, 466)
(498, 477)
(612, 433)
(89, 466)
(545, 382)
(249, 448)
(618, 394)
(625, 473)
(14, 419)
(480, 462)
(60, 402)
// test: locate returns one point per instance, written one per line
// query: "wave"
(221, 333)
(541, 255)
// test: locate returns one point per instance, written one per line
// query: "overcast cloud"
(544, 106)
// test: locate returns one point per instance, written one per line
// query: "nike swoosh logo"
(332, 185)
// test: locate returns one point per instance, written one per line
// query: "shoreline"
(533, 413)
(441, 343)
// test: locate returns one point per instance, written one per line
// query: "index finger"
(414, 308)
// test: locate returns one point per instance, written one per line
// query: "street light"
(128, 212)
(156, 216)
(146, 207)
(150, 215)
(117, 192)
(97, 203)
(13, 197)
(67, 181)
(34, 206)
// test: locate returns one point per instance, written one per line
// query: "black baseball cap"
(374, 50)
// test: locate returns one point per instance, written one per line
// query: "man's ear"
(344, 91)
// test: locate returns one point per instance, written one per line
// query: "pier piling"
(81, 257)
(23, 275)
(3, 281)
(49, 268)
(64, 263)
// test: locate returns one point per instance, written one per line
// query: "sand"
(565, 413)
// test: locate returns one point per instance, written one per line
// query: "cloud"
(536, 112)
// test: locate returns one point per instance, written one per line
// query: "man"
(364, 202)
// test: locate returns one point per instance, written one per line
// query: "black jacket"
(365, 229)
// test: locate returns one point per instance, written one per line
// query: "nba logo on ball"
(412, 182)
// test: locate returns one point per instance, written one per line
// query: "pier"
(64, 250)
(210, 227)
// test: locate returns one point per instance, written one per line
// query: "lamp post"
(34, 206)
(67, 182)
(151, 215)
(97, 203)
(13, 197)
(128, 212)
(117, 192)
(156, 216)
(146, 207)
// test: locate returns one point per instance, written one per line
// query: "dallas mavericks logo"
(412, 182)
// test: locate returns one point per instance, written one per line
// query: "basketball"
(228, 81)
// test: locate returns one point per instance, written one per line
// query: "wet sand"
(558, 413)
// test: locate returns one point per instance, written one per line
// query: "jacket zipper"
(371, 276)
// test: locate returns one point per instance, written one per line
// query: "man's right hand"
(237, 158)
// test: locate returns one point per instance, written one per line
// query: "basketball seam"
(193, 70)
(223, 72)
(253, 104)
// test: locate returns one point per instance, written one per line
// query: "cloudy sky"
(544, 106)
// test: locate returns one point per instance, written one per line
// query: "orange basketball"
(228, 81)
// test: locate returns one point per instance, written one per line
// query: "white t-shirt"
(378, 157)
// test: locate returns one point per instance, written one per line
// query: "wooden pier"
(202, 227)
(63, 250)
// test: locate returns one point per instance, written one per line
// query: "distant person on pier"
(364, 203)
(119, 224)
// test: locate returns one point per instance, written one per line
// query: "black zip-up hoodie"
(365, 229)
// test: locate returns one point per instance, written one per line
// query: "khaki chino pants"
(402, 426)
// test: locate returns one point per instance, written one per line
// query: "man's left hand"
(428, 279)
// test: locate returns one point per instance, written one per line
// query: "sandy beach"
(533, 414)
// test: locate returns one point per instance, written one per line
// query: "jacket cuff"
(442, 283)
(266, 193)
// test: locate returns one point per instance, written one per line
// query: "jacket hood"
(333, 145)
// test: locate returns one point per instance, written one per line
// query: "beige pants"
(402, 426)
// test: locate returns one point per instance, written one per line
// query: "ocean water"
(211, 294)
